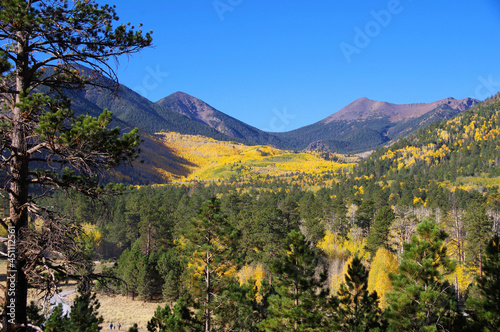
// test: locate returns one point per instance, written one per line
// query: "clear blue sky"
(280, 65)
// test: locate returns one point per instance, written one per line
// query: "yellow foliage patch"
(255, 273)
(383, 263)
(209, 159)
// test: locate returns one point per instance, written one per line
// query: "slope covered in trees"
(450, 153)
(291, 241)
(209, 159)
(266, 226)
(391, 221)
(366, 124)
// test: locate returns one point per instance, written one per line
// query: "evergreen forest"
(227, 236)
(406, 241)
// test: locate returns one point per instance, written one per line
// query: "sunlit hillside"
(209, 159)
(461, 153)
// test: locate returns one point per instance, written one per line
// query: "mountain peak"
(188, 105)
(197, 110)
(180, 94)
(365, 109)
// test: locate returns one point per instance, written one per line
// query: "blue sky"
(280, 65)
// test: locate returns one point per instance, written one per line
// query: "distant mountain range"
(361, 126)
(366, 124)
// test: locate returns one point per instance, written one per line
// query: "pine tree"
(479, 230)
(422, 300)
(295, 306)
(56, 321)
(171, 267)
(149, 279)
(42, 47)
(365, 214)
(380, 230)
(84, 314)
(356, 309)
(340, 222)
(83, 317)
(486, 307)
(209, 244)
(128, 270)
(177, 319)
(311, 214)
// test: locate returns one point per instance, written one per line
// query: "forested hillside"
(227, 227)
(414, 222)
(290, 238)
(461, 153)
(361, 126)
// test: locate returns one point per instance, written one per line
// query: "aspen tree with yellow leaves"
(381, 266)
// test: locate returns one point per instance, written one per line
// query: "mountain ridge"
(365, 108)
(197, 110)
(366, 124)
(362, 125)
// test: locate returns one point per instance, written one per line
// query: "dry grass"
(114, 309)
(120, 309)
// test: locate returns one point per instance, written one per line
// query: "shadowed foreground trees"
(43, 145)
(83, 317)
(486, 305)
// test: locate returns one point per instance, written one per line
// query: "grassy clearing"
(114, 309)
(120, 309)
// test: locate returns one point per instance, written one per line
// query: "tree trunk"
(296, 303)
(17, 289)
(148, 241)
(207, 293)
(480, 265)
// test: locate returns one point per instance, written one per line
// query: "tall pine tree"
(43, 45)
(479, 228)
(486, 307)
(380, 230)
(295, 306)
(422, 300)
(355, 309)
(209, 244)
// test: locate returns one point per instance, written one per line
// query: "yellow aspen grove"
(382, 264)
